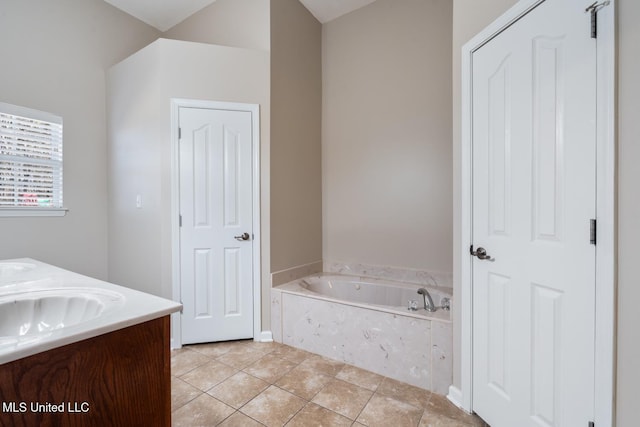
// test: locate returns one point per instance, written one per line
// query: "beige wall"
(386, 143)
(54, 53)
(296, 114)
(139, 162)
(470, 17)
(237, 23)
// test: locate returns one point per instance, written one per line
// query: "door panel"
(533, 196)
(499, 110)
(215, 204)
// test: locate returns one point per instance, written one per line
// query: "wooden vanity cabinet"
(121, 378)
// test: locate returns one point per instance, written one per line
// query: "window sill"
(24, 212)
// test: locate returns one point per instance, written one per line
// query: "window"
(30, 162)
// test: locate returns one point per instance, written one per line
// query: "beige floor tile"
(270, 368)
(175, 351)
(267, 347)
(405, 392)
(340, 393)
(383, 411)
(303, 382)
(323, 365)
(182, 393)
(206, 376)
(291, 353)
(240, 357)
(213, 349)
(238, 389)
(439, 420)
(252, 346)
(360, 377)
(216, 349)
(441, 405)
(273, 407)
(317, 416)
(344, 398)
(240, 420)
(202, 411)
(185, 361)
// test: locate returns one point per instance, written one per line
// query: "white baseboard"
(455, 397)
(265, 336)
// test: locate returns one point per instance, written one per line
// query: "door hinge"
(180, 220)
(593, 10)
(593, 228)
(179, 133)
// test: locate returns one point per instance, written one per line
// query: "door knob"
(481, 253)
(242, 237)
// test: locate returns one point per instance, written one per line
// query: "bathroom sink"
(9, 269)
(28, 314)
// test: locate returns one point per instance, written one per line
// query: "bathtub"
(365, 322)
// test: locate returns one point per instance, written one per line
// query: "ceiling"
(327, 10)
(164, 14)
(161, 14)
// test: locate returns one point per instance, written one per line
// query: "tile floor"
(245, 383)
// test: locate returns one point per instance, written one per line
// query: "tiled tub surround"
(414, 347)
(399, 274)
(285, 276)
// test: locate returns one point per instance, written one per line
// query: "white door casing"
(602, 404)
(534, 147)
(216, 181)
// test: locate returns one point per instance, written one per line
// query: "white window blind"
(30, 159)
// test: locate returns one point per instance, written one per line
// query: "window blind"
(30, 158)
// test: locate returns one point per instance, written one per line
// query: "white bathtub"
(365, 322)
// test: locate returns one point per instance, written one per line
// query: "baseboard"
(172, 345)
(265, 336)
(455, 397)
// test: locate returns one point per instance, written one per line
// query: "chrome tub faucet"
(428, 302)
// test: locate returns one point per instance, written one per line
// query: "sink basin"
(9, 269)
(24, 314)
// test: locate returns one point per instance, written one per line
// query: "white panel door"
(216, 232)
(534, 188)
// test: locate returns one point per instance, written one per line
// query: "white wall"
(386, 143)
(54, 53)
(139, 161)
(237, 23)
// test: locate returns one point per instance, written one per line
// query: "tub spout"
(428, 302)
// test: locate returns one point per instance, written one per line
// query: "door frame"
(604, 408)
(254, 109)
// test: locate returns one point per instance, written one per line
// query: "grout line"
(297, 412)
(296, 364)
(365, 405)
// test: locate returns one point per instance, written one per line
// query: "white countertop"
(129, 307)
